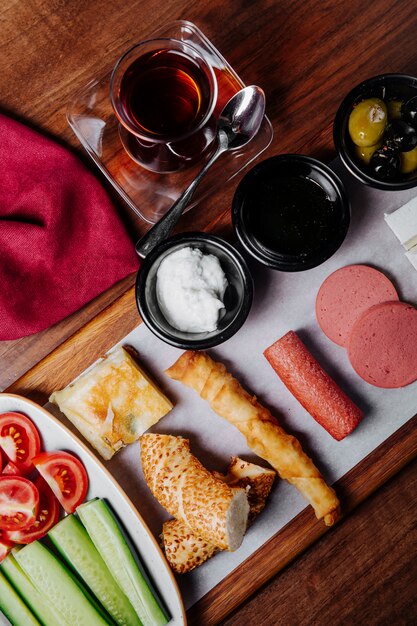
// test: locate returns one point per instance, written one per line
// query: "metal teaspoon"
(238, 123)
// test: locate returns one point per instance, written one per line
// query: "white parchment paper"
(283, 301)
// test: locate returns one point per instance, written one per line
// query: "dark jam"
(164, 94)
(291, 215)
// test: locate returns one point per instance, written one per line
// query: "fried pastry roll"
(262, 432)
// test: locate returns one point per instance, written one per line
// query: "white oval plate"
(55, 436)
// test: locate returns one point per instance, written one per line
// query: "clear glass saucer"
(148, 194)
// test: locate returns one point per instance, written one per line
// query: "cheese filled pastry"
(112, 403)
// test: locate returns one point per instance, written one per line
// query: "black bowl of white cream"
(194, 291)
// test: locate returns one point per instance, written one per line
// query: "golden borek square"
(113, 403)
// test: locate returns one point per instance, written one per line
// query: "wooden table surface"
(306, 54)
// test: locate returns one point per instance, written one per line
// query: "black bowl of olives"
(375, 131)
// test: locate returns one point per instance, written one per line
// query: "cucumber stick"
(38, 604)
(54, 581)
(13, 606)
(74, 544)
(109, 540)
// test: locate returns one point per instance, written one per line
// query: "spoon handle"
(164, 226)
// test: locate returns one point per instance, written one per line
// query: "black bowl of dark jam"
(391, 164)
(291, 212)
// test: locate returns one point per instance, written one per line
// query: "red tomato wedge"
(19, 440)
(19, 502)
(5, 547)
(65, 475)
(11, 469)
(48, 515)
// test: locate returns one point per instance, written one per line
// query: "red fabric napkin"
(61, 240)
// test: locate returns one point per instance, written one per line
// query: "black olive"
(385, 163)
(409, 111)
(401, 135)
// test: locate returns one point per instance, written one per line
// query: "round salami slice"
(346, 294)
(383, 343)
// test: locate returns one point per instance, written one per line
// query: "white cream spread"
(190, 286)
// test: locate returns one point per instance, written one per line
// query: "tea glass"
(157, 152)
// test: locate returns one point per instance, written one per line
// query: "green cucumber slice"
(39, 605)
(54, 581)
(13, 606)
(74, 544)
(109, 540)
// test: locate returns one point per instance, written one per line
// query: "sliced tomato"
(5, 547)
(19, 440)
(11, 469)
(19, 502)
(65, 475)
(48, 515)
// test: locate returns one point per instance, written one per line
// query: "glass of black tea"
(163, 93)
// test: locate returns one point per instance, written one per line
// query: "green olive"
(367, 122)
(408, 161)
(394, 109)
(364, 153)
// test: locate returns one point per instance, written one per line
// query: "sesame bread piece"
(189, 492)
(184, 549)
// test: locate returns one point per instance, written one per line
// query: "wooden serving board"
(110, 326)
